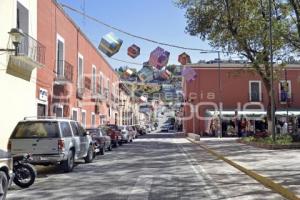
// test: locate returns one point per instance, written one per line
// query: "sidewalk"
(282, 166)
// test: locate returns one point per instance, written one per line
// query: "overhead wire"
(134, 35)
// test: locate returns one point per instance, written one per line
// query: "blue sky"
(159, 20)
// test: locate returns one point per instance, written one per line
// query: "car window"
(36, 130)
(94, 132)
(74, 129)
(81, 130)
(65, 129)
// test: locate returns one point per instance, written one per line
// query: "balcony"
(80, 92)
(64, 72)
(31, 55)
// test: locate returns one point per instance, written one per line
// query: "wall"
(234, 89)
(17, 95)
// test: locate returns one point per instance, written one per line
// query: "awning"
(251, 112)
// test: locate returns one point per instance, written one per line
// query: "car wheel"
(102, 151)
(3, 185)
(68, 164)
(110, 147)
(90, 155)
(120, 143)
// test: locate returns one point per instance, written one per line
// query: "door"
(41, 110)
(84, 142)
(76, 139)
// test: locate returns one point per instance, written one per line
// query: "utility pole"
(272, 73)
(220, 131)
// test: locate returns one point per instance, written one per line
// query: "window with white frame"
(83, 118)
(60, 55)
(80, 77)
(101, 83)
(255, 91)
(74, 114)
(94, 87)
(93, 120)
(285, 91)
(108, 86)
(59, 111)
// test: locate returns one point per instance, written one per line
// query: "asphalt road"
(157, 166)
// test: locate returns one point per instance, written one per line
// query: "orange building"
(76, 81)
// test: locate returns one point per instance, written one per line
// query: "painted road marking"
(267, 182)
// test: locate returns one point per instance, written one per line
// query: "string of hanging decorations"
(133, 35)
(110, 44)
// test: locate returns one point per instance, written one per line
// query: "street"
(155, 166)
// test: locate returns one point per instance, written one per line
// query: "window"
(74, 114)
(65, 129)
(93, 120)
(60, 57)
(284, 91)
(101, 83)
(94, 88)
(36, 130)
(59, 111)
(255, 91)
(23, 24)
(83, 118)
(74, 129)
(80, 78)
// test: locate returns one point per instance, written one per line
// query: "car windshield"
(36, 130)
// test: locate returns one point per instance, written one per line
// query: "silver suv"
(6, 173)
(52, 141)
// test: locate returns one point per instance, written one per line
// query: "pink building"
(237, 87)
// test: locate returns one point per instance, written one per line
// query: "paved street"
(155, 166)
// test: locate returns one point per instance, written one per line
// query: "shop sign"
(43, 94)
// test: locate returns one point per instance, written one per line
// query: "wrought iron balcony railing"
(64, 71)
(33, 49)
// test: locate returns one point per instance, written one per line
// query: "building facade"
(76, 81)
(235, 89)
(18, 76)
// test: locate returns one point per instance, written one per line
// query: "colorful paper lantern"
(184, 59)
(110, 44)
(165, 74)
(189, 74)
(159, 58)
(133, 51)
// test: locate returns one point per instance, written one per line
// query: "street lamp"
(16, 36)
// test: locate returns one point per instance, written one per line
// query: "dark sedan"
(101, 140)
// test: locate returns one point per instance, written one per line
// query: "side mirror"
(86, 133)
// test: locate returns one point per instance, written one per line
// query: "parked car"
(141, 130)
(115, 131)
(6, 173)
(148, 128)
(52, 141)
(134, 131)
(100, 139)
(127, 133)
(165, 128)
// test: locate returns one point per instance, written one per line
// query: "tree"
(240, 27)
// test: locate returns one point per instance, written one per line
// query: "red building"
(76, 81)
(239, 90)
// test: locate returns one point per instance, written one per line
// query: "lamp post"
(16, 36)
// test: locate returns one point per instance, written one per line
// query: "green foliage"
(280, 139)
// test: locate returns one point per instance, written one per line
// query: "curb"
(267, 182)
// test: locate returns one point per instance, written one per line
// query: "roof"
(233, 65)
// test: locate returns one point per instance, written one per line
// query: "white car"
(127, 133)
(52, 141)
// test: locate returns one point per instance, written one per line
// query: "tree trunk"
(267, 85)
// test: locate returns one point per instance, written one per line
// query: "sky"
(159, 20)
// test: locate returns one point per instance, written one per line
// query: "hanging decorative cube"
(189, 74)
(110, 44)
(165, 74)
(184, 59)
(159, 58)
(133, 51)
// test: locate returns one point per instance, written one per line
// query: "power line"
(133, 35)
